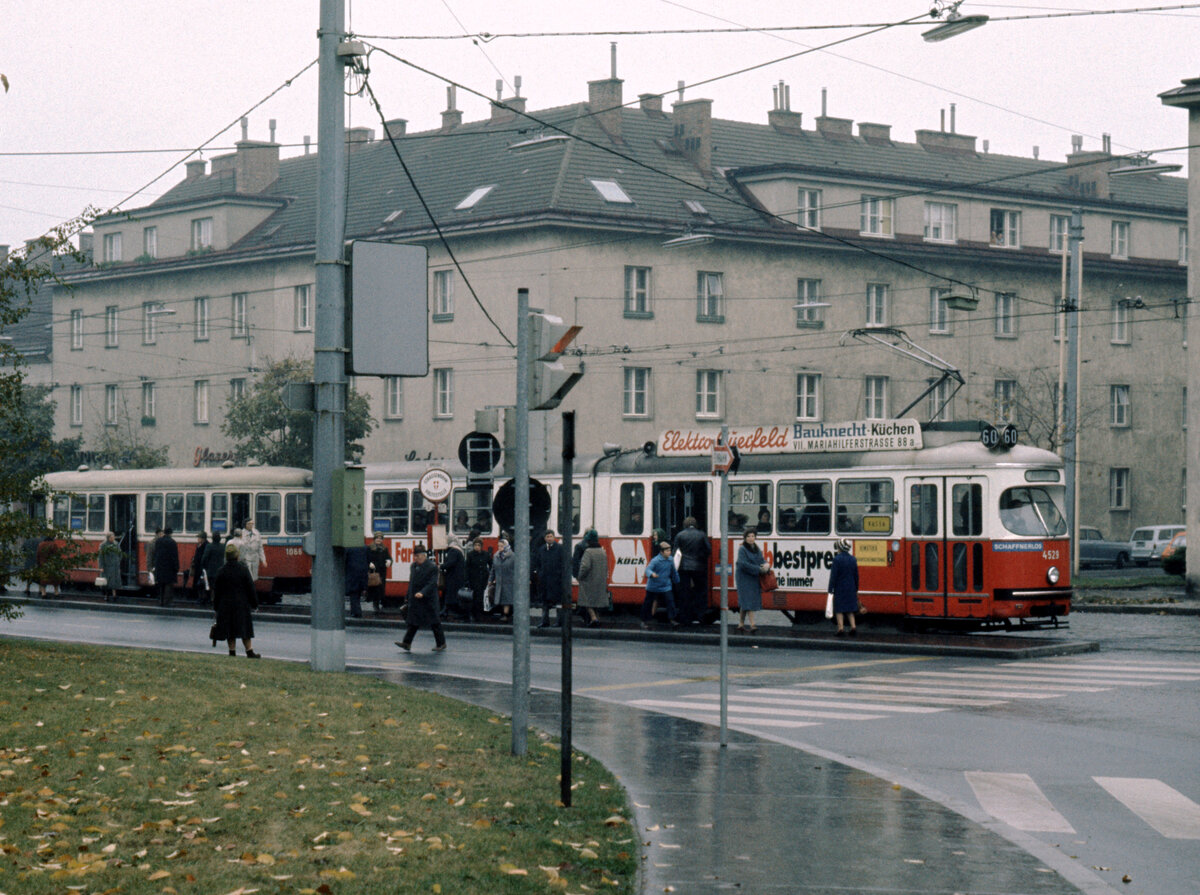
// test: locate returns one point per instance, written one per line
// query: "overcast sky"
(105, 97)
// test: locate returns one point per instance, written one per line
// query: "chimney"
(952, 118)
(605, 101)
(1106, 143)
(3, 253)
(782, 118)
(835, 128)
(875, 134)
(1035, 149)
(693, 131)
(396, 127)
(945, 141)
(358, 137)
(195, 168)
(1088, 175)
(651, 104)
(451, 117)
(256, 163)
(307, 144)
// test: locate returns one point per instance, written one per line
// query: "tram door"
(675, 501)
(241, 510)
(944, 553)
(122, 521)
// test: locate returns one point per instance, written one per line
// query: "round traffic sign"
(435, 485)
(504, 506)
(479, 452)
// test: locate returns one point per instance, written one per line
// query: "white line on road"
(1083, 675)
(975, 689)
(1017, 800)
(753, 710)
(1167, 810)
(841, 690)
(984, 677)
(1166, 671)
(841, 703)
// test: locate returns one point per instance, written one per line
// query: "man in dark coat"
(549, 561)
(199, 594)
(214, 561)
(693, 547)
(356, 578)
(234, 599)
(166, 567)
(454, 577)
(423, 600)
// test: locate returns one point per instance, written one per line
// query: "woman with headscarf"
(454, 579)
(479, 569)
(593, 577)
(234, 599)
(843, 584)
(110, 566)
(750, 564)
(503, 579)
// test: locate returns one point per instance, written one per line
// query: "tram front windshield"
(1031, 511)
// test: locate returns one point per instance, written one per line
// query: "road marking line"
(889, 683)
(1167, 810)
(985, 678)
(756, 722)
(754, 710)
(1137, 679)
(842, 690)
(1017, 800)
(1155, 670)
(743, 698)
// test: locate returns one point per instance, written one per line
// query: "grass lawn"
(125, 771)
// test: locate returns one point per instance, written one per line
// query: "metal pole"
(568, 528)
(520, 610)
(723, 503)
(328, 648)
(1070, 398)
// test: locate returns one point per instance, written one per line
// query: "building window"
(77, 405)
(941, 222)
(76, 330)
(443, 296)
(474, 197)
(1122, 323)
(1118, 488)
(149, 403)
(1120, 239)
(150, 242)
(710, 297)
(200, 402)
(1005, 228)
(443, 393)
(808, 304)
(302, 303)
(112, 248)
(238, 328)
(875, 216)
(237, 390)
(393, 397)
(708, 394)
(637, 292)
(1060, 226)
(201, 234)
(875, 397)
(611, 191)
(1183, 245)
(809, 208)
(808, 396)
(939, 402)
(939, 314)
(111, 323)
(150, 312)
(1006, 315)
(1119, 402)
(877, 304)
(636, 392)
(200, 318)
(1004, 399)
(111, 397)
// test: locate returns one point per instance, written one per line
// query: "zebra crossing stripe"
(980, 678)
(1170, 812)
(840, 690)
(755, 710)
(750, 698)
(1164, 671)
(1136, 679)
(934, 688)
(1018, 801)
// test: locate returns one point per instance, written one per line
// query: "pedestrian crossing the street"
(877, 697)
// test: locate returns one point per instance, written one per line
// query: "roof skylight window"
(611, 191)
(695, 207)
(393, 216)
(474, 198)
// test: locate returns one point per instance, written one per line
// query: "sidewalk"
(760, 817)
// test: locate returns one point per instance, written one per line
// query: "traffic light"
(549, 379)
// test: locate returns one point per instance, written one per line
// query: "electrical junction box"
(349, 506)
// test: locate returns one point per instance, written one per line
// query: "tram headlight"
(1052, 574)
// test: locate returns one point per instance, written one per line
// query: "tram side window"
(76, 514)
(472, 510)
(632, 515)
(389, 512)
(864, 506)
(267, 508)
(193, 514)
(750, 507)
(1031, 511)
(804, 507)
(967, 506)
(923, 510)
(576, 496)
(174, 512)
(220, 513)
(297, 513)
(153, 520)
(95, 512)
(422, 514)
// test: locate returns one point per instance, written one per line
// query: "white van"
(1146, 543)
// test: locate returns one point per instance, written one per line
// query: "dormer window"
(201, 234)
(474, 198)
(112, 247)
(610, 191)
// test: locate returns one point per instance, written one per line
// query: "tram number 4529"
(1050, 554)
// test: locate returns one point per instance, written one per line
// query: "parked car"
(1174, 555)
(1096, 550)
(1146, 543)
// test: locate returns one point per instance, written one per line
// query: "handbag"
(374, 579)
(101, 581)
(212, 634)
(829, 605)
(767, 581)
